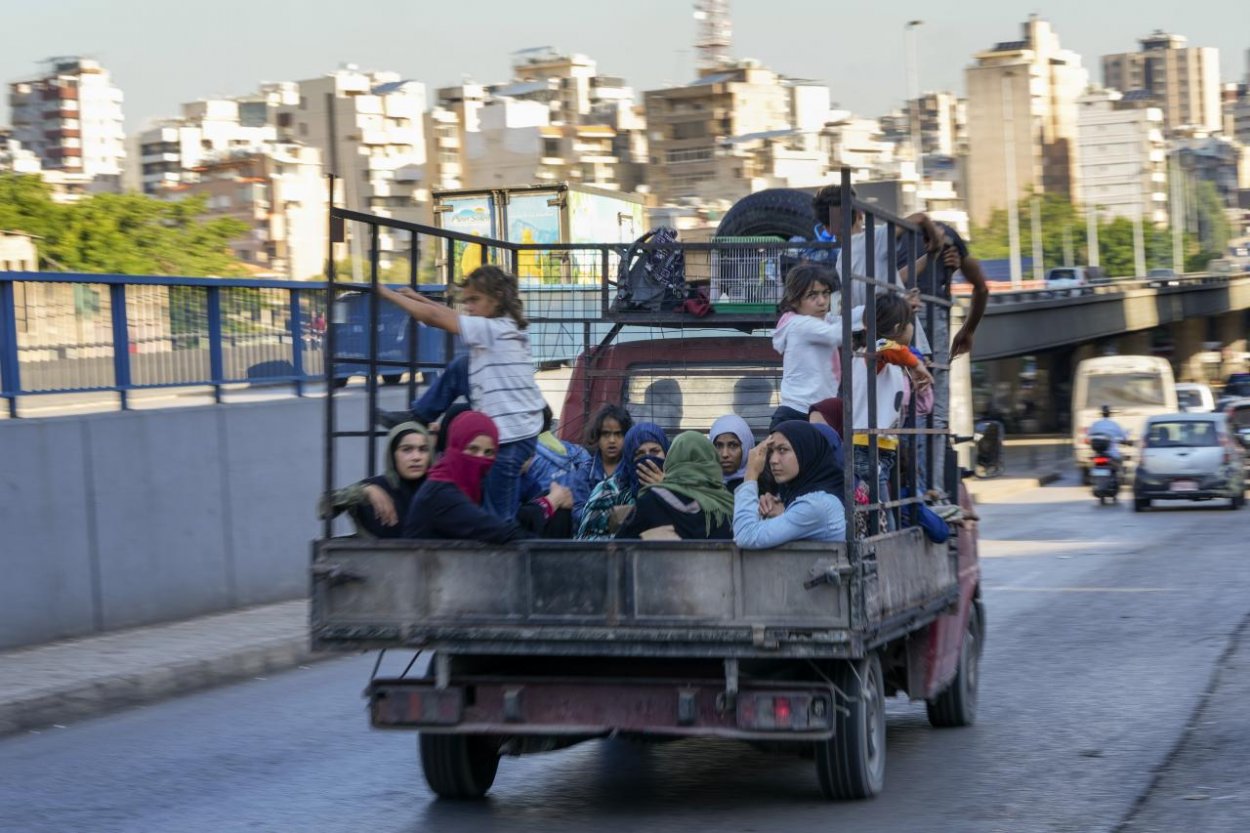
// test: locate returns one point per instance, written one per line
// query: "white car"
(1067, 277)
(1194, 397)
(1189, 457)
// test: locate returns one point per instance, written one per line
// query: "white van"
(1135, 387)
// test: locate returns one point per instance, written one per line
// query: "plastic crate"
(746, 276)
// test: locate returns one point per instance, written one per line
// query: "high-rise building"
(689, 127)
(1022, 109)
(1123, 156)
(370, 130)
(1184, 81)
(71, 117)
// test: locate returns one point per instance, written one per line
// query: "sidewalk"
(1031, 462)
(65, 681)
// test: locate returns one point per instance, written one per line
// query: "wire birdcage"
(747, 274)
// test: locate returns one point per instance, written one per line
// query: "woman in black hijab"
(808, 477)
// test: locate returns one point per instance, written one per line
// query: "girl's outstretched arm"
(422, 308)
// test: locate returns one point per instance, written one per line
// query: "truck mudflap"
(798, 711)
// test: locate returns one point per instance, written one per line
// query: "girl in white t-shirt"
(500, 373)
(807, 337)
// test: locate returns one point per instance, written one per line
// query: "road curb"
(95, 696)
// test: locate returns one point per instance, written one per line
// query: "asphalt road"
(1105, 632)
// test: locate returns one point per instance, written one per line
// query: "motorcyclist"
(1111, 429)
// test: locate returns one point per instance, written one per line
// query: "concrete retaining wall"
(116, 520)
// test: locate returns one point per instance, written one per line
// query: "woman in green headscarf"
(691, 502)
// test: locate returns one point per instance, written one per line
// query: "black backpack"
(654, 279)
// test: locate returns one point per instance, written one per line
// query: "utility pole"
(1013, 193)
(1178, 217)
(1091, 225)
(913, 109)
(1035, 218)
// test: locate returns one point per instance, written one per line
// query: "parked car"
(1067, 277)
(1189, 457)
(1193, 397)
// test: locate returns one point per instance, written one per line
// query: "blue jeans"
(503, 484)
(885, 468)
(450, 385)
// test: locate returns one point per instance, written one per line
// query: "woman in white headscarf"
(733, 440)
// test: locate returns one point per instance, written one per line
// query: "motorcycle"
(1105, 470)
(989, 460)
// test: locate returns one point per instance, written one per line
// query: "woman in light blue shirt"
(807, 473)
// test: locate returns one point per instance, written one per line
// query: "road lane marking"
(1078, 589)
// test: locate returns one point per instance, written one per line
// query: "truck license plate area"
(1184, 486)
(416, 706)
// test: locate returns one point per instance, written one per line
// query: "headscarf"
(831, 410)
(627, 470)
(818, 467)
(736, 425)
(449, 416)
(393, 439)
(465, 471)
(693, 471)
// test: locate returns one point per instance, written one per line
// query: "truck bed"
(627, 598)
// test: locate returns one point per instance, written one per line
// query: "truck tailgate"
(623, 598)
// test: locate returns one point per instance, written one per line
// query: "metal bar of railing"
(216, 364)
(371, 384)
(334, 234)
(295, 325)
(121, 343)
(10, 368)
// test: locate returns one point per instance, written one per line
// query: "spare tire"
(774, 212)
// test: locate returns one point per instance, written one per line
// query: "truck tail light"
(794, 711)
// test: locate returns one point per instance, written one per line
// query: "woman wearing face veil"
(691, 502)
(449, 504)
(807, 474)
(642, 464)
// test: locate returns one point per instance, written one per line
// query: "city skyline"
(769, 32)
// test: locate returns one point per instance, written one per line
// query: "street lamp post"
(913, 109)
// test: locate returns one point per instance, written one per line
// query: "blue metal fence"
(75, 332)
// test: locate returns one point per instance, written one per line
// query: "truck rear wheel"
(459, 766)
(957, 705)
(851, 764)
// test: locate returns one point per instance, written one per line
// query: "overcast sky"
(164, 52)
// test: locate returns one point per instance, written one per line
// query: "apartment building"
(687, 126)
(369, 128)
(1183, 81)
(1123, 156)
(171, 149)
(1022, 110)
(279, 191)
(70, 116)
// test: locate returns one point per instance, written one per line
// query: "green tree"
(129, 234)
(1064, 225)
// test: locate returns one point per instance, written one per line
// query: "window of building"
(303, 128)
(303, 103)
(690, 130)
(551, 147)
(284, 120)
